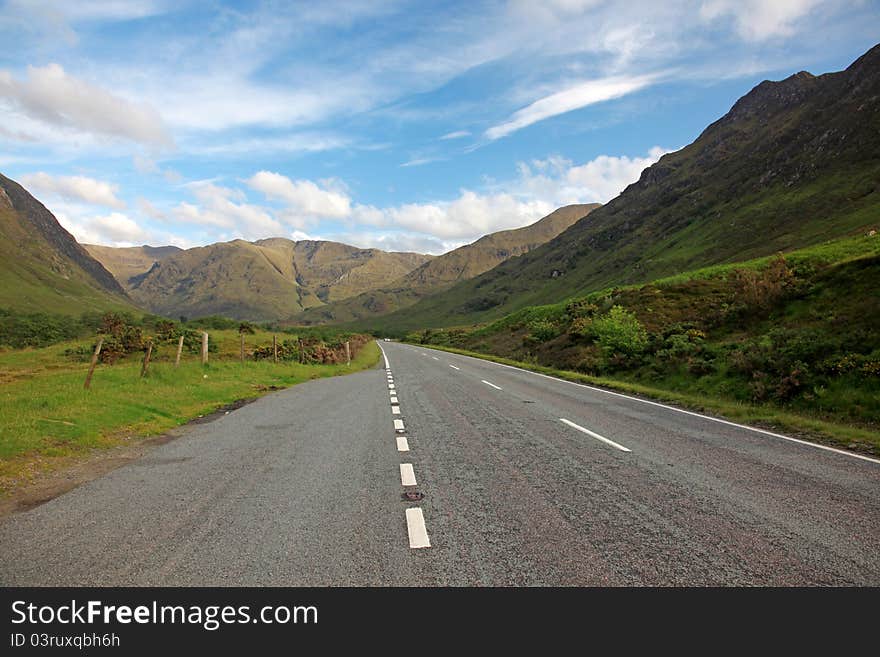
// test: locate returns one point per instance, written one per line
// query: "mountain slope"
(450, 268)
(42, 267)
(266, 280)
(127, 262)
(793, 163)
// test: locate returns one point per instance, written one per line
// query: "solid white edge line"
(686, 412)
(491, 384)
(384, 355)
(415, 527)
(454, 367)
(595, 435)
(407, 475)
(402, 444)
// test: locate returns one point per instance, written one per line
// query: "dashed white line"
(454, 367)
(807, 443)
(391, 386)
(595, 435)
(402, 444)
(415, 527)
(435, 358)
(491, 384)
(392, 392)
(398, 425)
(394, 400)
(407, 476)
(395, 410)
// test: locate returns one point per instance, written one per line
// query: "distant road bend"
(439, 469)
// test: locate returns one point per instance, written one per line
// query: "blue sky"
(401, 125)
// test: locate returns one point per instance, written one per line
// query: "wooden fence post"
(179, 350)
(241, 335)
(146, 364)
(348, 352)
(204, 347)
(94, 362)
(275, 348)
(302, 353)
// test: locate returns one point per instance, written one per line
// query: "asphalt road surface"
(526, 480)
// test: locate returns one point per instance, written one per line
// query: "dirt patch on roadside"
(69, 472)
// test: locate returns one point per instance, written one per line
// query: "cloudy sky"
(403, 125)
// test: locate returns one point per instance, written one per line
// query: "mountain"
(450, 268)
(265, 280)
(126, 263)
(793, 163)
(42, 267)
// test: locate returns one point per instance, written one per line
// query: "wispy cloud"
(458, 134)
(571, 98)
(759, 20)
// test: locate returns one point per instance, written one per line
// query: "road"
(527, 480)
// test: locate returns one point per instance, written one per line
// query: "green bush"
(620, 331)
(541, 330)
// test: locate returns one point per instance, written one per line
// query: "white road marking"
(392, 392)
(407, 476)
(391, 386)
(402, 444)
(415, 527)
(595, 435)
(686, 412)
(398, 425)
(394, 400)
(490, 384)
(395, 410)
(387, 366)
(454, 367)
(435, 358)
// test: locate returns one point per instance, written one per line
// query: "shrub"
(620, 331)
(541, 330)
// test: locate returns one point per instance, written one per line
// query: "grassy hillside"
(448, 269)
(265, 280)
(42, 268)
(800, 334)
(792, 164)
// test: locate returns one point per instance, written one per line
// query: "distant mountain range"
(269, 279)
(793, 163)
(308, 281)
(448, 269)
(42, 267)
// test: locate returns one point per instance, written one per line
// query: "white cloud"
(114, 229)
(758, 20)
(50, 95)
(596, 181)
(224, 208)
(74, 188)
(303, 198)
(571, 98)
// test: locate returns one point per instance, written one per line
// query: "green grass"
(764, 416)
(48, 416)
